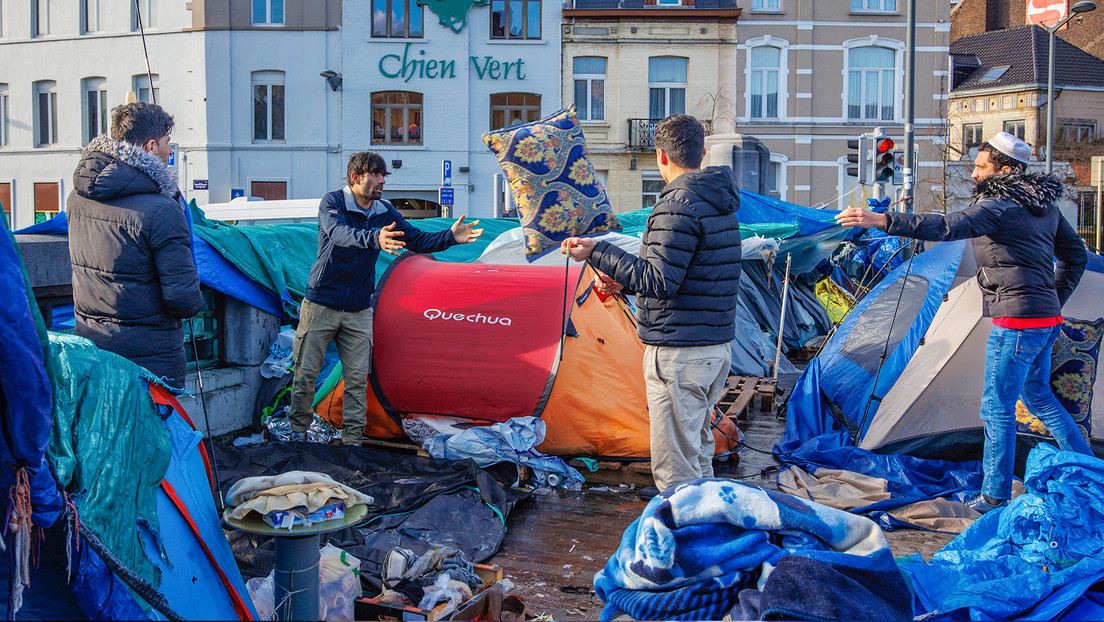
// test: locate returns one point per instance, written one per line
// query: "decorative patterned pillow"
(553, 182)
(1072, 374)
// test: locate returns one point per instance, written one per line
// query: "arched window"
(765, 63)
(514, 108)
(666, 86)
(45, 113)
(142, 88)
(396, 118)
(871, 83)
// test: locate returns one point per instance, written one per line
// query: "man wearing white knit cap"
(1017, 231)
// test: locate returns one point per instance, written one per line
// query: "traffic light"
(883, 160)
(857, 155)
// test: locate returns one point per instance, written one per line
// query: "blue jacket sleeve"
(672, 242)
(332, 220)
(981, 218)
(1069, 250)
(420, 241)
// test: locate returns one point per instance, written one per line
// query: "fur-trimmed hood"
(110, 169)
(1037, 192)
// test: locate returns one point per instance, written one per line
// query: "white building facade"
(422, 85)
(241, 78)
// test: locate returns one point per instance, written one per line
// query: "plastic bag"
(445, 590)
(279, 355)
(338, 587)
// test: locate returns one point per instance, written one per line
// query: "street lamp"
(1077, 8)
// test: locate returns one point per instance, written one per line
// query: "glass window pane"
(856, 5)
(756, 90)
(260, 112)
(532, 19)
(870, 57)
(765, 56)
(854, 95)
(379, 18)
(414, 127)
(580, 99)
(103, 112)
(678, 101)
(656, 107)
(890, 5)
(772, 94)
(44, 118)
(415, 13)
(277, 112)
(260, 12)
(498, 18)
(498, 118)
(871, 95)
(666, 69)
(277, 14)
(398, 15)
(53, 118)
(379, 121)
(516, 16)
(589, 64)
(597, 100)
(887, 95)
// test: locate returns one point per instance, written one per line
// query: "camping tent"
(491, 342)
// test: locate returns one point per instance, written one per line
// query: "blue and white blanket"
(696, 546)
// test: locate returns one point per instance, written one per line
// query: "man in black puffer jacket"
(134, 278)
(686, 281)
(1017, 232)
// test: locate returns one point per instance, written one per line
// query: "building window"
(268, 106)
(669, 2)
(514, 109)
(4, 138)
(590, 87)
(144, 10)
(268, 12)
(396, 118)
(871, 83)
(972, 138)
(1072, 131)
(46, 200)
(515, 19)
(269, 190)
(92, 15)
(651, 184)
(396, 18)
(142, 88)
(95, 108)
(40, 17)
(45, 113)
(1016, 128)
(763, 88)
(776, 176)
(873, 6)
(666, 86)
(6, 203)
(766, 5)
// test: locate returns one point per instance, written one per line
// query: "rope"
(137, 584)
(286, 601)
(18, 523)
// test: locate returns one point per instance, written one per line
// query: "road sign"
(1046, 13)
(899, 167)
(173, 148)
(236, 192)
(446, 174)
(199, 184)
(445, 196)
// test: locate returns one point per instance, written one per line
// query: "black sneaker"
(982, 504)
(647, 492)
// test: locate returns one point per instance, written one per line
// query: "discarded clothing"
(697, 545)
(287, 491)
(1029, 560)
(509, 441)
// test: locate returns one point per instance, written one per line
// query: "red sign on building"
(1047, 12)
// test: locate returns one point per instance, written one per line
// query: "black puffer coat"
(687, 277)
(1018, 231)
(133, 274)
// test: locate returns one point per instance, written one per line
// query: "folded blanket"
(698, 544)
(302, 490)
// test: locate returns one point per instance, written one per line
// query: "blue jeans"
(1017, 365)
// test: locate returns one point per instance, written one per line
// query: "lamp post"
(1080, 7)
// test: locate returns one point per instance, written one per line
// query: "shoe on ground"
(647, 492)
(983, 504)
(297, 437)
(337, 442)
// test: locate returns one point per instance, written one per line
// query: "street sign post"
(898, 167)
(446, 174)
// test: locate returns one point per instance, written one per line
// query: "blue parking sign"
(445, 196)
(446, 173)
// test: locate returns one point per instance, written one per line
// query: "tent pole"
(782, 318)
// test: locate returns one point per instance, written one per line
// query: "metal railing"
(642, 133)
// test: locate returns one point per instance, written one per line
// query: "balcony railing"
(642, 133)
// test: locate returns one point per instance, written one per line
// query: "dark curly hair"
(139, 123)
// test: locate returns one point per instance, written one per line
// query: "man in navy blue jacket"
(354, 225)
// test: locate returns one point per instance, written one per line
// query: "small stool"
(295, 594)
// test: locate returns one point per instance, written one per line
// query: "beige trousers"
(683, 384)
(351, 332)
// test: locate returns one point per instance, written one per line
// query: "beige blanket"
(300, 490)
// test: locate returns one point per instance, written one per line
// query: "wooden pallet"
(742, 391)
(615, 473)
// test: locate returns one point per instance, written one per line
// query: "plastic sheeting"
(1031, 560)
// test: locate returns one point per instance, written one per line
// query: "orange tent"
(489, 342)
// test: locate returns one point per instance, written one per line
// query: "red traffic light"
(884, 145)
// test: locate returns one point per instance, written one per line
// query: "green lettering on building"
(408, 67)
(452, 13)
